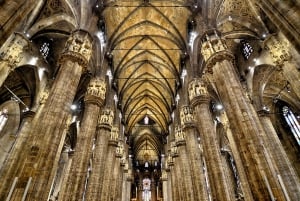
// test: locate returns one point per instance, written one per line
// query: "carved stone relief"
(114, 134)
(97, 87)
(106, 117)
(197, 88)
(186, 115)
(278, 50)
(13, 54)
(79, 45)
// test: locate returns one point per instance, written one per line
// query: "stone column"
(129, 180)
(11, 54)
(110, 162)
(48, 132)
(285, 170)
(176, 175)
(164, 179)
(17, 157)
(185, 173)
(190, 134)
(282, 58)
(153, 190)
(124, 192)
(200, 100)
(103, 133)
(244, 122)
(94, 99)
(117, 177)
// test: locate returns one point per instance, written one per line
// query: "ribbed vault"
(146, 43)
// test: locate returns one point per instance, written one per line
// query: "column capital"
(96, 91)
(197, 91)
(120, 149)
(164, 175)
(278, 50)
(12, 54)
(214, 49)
(187, 117)
(173, 150)
(106, 119)
(78, 47)
(114, 136)
(179, 136)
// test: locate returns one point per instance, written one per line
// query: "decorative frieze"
(106, 118)
(96, 91)
(79, 47)
(13, 53)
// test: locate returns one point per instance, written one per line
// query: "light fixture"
(219, 106)
(73, 107)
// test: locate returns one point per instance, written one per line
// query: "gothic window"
(292, 122)
(3, 118)
(146, 189)
(246, 48)
(45, 49)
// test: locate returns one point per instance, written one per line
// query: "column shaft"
(280, 158)
(48, 131)
(184, 170)
(100, 153)
(75, 186)
(108, 172)
(211, 149)
(247, 132)
(196, 164)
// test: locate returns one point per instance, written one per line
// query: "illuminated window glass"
(3, 118)
(146, 189)
(292, 121)
(246, 49)
(45, 49)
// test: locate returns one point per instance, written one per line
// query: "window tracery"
(292, 122)
(3, 118)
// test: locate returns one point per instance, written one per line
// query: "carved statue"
(106, 118)
(186, 115)
(97, 87)
(114, 134)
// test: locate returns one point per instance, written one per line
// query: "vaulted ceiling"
(146, 43)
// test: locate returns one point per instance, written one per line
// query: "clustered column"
(243, 119)
(76, 178)
(190, 133)
(103, 134)
(182, 167)
(285, 172)
(200, 100)
(110, 162)
(48, 133)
